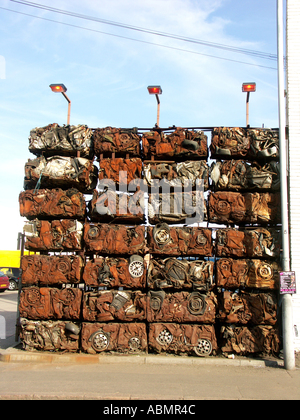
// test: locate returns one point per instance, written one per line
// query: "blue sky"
(107, 76)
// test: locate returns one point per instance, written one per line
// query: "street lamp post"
(59, 87)
(156, 90)
(248, 87)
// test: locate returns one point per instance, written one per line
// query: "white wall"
(293, 115)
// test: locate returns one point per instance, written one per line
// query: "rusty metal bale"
(55, 235)
(52, 204)
(177, 174)
(129, 338)
(50, 335)
(234, 273)
(114, 305)
(176, 241)
(187, 207)
(120, 170)
(247, 308)
(173, 273)
(50, 303)
(179, 143)
(110, 272)
(51, 270)
(114, 239)
(182, 339)
(64, 141)
(242, 175)
(61, 172)
(242, 340)
(179, 307)
(116, 140)
(253, 242)
(108, 206)
(233, 207)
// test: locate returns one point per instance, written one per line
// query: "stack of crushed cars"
(138, 245)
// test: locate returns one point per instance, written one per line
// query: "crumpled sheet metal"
(49, 335)
(181, 307)
(52, 204)
(65, 141)
(108, 206)
(262, 274)
(116, 140)
(182, 339)
(244, 308)
(129, 273)
(179, 143)
(239, 175)
(61, 172)
(55, 235)
(181, 207)
(240, 142)
(50, 303)
(243, 340)
(180, 274)
(252, 243)
(120, 170)
(234, 207)
(264, 143)
(176, 241)
(177, 174)
(43, 270)
(126, 338)
(114, 239)
(114, 305)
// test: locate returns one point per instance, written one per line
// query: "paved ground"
(129, 379)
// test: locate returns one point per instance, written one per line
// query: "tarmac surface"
(144, 383)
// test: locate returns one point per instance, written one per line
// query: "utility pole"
(287, 308)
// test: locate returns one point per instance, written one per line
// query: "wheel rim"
(203, 347)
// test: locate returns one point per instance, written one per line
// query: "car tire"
(12, 285)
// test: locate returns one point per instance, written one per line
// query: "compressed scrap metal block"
(163, 239)
(114, 239)
(129, 273)
(179, 143)
(261, 274)
(182, 338)
(233, 207)
(248, 308)
(107, 206)
(120, 170)
(181, 307)
(52, 204)
(122, 338)
(55, 235)
(111, 140)
(264, 143)
(51, 269)
(189, 173)
(248, 340)
(64, 141)
(188, 207)
(228, 142)
(239, 175)
(60, 171)
(244, 308)
(180, 274)
(252, 243)
(49, 335)
(47, 303)
(114, 305)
